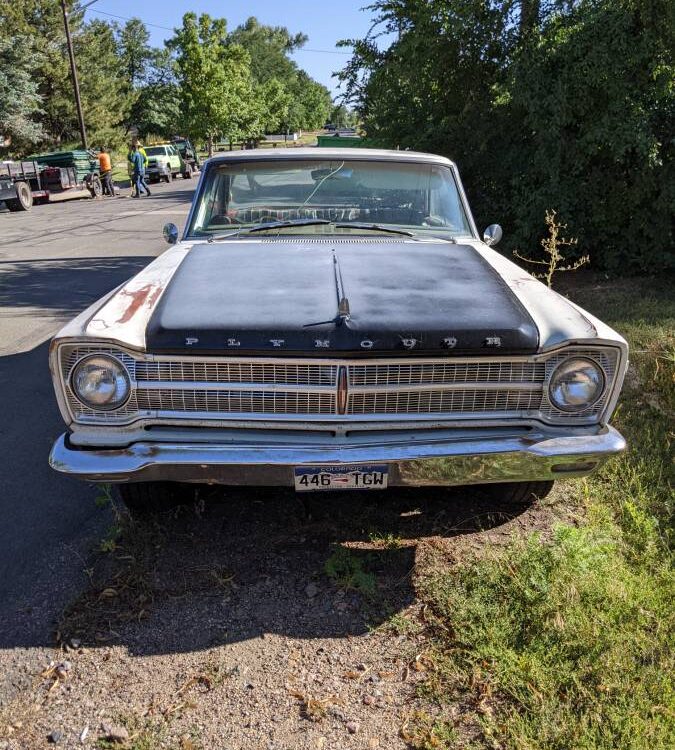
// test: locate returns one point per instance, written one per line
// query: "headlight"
(576, 384)
(100, 382)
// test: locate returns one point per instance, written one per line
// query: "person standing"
(105, 165)
(130, 169)
(138, 174)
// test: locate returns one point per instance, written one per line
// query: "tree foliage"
(214, 77)
(203, 82)
(19, 98)
(309, 102)
(561, 104)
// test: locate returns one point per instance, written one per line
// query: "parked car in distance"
(165, 163)
(332, 320)
(188, 153)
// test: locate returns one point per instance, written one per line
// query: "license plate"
(370, 477)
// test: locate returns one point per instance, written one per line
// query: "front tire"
(517, 493)
(145, 499)
(23, 200)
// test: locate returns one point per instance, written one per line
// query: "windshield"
(155, 150)
(421, 198)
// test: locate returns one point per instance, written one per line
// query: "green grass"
(348, 571)
(568, 643)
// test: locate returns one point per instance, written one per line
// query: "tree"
(342, 117)
(135, 52)
(215, 80)
(558, 104)
(101, 77)
(275, 103)
(103, 86)
(312, 103)
(19, 99)
(157, 104)
(269, 48)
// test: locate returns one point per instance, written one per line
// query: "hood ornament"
(343, 311)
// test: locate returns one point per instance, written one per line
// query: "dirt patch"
(255, 620)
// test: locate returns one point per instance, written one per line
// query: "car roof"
(313, 152)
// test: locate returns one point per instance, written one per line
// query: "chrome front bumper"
(466, 460)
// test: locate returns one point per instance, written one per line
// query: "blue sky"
(325, 22)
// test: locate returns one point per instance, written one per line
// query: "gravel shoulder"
(253, 620)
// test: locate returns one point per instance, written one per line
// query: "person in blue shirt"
(138, 164)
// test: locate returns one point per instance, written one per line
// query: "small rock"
(249, 686)
(117, 734)
(75, 643)
(368, 700)
(311, 590)
(374, 678)
(373, 743)
(352, 727)
(55, 737)
(84, 733)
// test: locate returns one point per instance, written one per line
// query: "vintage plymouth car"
(332, 320)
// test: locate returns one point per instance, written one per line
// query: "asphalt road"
(54, 261)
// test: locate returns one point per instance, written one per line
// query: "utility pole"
(73, 71)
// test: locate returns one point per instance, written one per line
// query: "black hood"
(357, 297)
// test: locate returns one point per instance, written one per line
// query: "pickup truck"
(165, 163)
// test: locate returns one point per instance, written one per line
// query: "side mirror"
(170, 233)
(492, 234)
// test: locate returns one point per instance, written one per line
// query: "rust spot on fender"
(146, 294)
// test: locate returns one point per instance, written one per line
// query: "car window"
(419, 196)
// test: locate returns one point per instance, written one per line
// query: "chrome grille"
(165, 387)
(238, 402)
(237, 372)
(447, 372)
(437, 402)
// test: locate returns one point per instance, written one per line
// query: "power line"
(124, 18)
(166, 28)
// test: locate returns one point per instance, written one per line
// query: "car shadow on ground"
(65, 285)
(243, 563)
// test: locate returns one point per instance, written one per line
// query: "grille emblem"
(342, 392)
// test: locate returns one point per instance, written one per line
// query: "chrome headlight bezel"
(120, 376)
(568, 365)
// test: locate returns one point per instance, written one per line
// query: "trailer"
(21, 184)
(70, 174)
(64, 182)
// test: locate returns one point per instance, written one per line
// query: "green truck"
(165, 163)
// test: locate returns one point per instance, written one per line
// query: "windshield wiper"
(373, 228)
(308, 223)
(268, 225)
